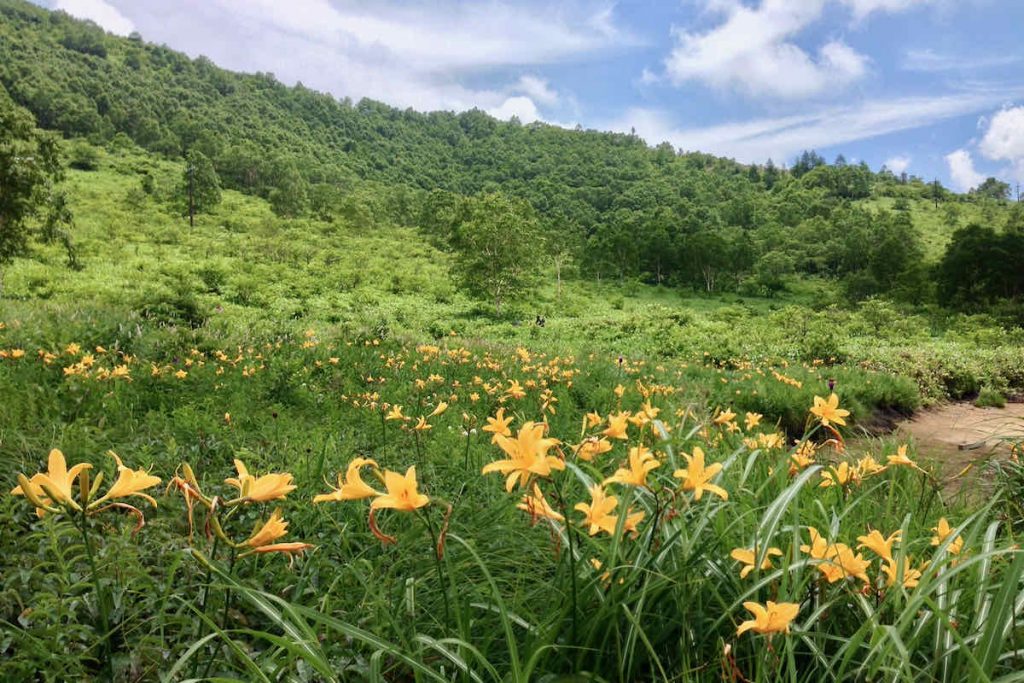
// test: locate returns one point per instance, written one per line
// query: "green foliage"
(989, 397)
(29, 167)
(981, 266)
(497, 245)
(993, 188)
(289, 196)
(83, 156)
(199, 189)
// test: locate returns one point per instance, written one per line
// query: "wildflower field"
(321, 507)
(300, 386)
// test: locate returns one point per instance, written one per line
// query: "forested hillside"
(607, 204)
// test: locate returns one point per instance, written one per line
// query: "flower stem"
(206, 594)
(101, 597)
(569, 532)
(437, 565)
(227, 605)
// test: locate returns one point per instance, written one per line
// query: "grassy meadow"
(333, 465)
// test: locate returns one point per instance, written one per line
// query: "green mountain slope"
(620, 208)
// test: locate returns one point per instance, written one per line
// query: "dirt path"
(960, 433)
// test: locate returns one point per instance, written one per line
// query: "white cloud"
(425, 55)
(1004, 139)
(753, 51)
(898, 164)
(962, 171)
(538, 89)
(437, 36)
(928, 60)
(99, 11)
(520, 106)
(648, 77)
(862, 8)
(780, 138)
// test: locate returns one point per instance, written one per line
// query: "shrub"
(990, 398)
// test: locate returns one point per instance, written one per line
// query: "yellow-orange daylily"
(819, 546)
(649, 411)
(696, 476)
(499, 424)
(641, 461)
(752, 420)
(901, 458)
(291, 548)
(402, 492)
(129, 483)
(879, 544)
(769, 618)
(867, 466)
(592, 447)
(351, 486)
(842, 475)
(53, 486)
(395, 414)
(598, 514)
(617, 426)
(598, 510)
(748, 558)
(942, 531)
(527, 455)
(828, 411)
(724, 417)
(844, 563)
(911, 577)
(538, 507)
(260, 489)
(515, 390)
(271, 530)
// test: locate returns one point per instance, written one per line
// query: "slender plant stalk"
(101, 597)
(569, 532)
(437, 566)
(227, 606)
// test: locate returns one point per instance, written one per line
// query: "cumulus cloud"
(898, 164)
(99, 11)
(753, 51)
(962, 171)
(1004, 139)
(538, 89)
(520, 106)
(780, 138)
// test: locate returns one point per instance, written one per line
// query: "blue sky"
(933, 87)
